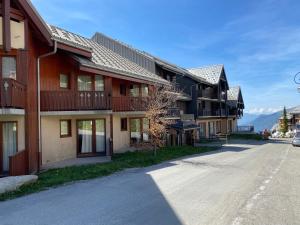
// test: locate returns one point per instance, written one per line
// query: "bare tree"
(161, 99)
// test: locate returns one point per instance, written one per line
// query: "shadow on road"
(125, 198)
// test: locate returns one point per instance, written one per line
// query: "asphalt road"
(241, 184)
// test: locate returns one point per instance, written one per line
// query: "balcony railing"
(13, 94)
(209, 113)
(124, 103)
(223, 112)
(219, 113)
(208, 93)
(173, 113)
(74, 100)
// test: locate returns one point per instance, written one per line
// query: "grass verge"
(254, 136)
(57, 177)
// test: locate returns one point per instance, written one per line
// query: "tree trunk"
(155, 150)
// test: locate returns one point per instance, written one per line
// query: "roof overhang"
(77, 51)
(36, 19)
(169, 67)
(118, 75)
(197, 79)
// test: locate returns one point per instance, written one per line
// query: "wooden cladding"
(6, 25)
(89, 100)
(18, 164)
(74, 100)
(12, 94)
(123, 104)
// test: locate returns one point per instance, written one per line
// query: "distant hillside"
(247, 119)
(265, 121)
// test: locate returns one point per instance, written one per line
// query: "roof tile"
(102, 57)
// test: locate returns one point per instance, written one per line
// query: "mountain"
(260, 122)
(265, 121)
(247, 119)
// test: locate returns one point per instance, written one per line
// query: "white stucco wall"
(121, 139)
(55, 148)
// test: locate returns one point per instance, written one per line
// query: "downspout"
(39, 99)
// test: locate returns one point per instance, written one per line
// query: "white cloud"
(263, 110)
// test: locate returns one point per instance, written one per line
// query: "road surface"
(250, 183)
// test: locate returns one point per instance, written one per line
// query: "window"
(134, 90)
(9, 67)
(218, 127)
(123, 89)
(230, 125)
(146, 126)
(64, 81)
(84, 83)
(91, 137)
(65, 128)
(139, 130)
(202, 130)
(135, 131)
(211, 127)
(99, 83)
(145, 90)
(123, 124)
(168, 78)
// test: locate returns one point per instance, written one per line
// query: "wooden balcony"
(74, 100)
(208, 93)
(124, 104)
(173, 113)
(13, 94)
(209, 113)
(212, 113)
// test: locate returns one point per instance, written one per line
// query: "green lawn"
(57, 177)
(254, 136)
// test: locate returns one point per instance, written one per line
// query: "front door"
(8, 136)
(91, 137)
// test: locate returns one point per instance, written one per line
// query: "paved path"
(242, 184)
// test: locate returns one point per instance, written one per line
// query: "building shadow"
(130, 197)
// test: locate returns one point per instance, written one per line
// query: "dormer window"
(9, 67)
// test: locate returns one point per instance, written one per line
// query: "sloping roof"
(295, 110)
(69, 38)
(233, 96)
(288, 116)
(114, 45)
(103, 58)
(210, 74)
(233, 93)
(125, 50)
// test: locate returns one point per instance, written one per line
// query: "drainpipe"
(39, 99)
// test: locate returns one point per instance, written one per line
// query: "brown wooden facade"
(118, 93)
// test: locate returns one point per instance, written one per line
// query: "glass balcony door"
(8, 145)
(91, 137)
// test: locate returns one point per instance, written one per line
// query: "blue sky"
(258, 41)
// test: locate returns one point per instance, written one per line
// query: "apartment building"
(64, 96)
